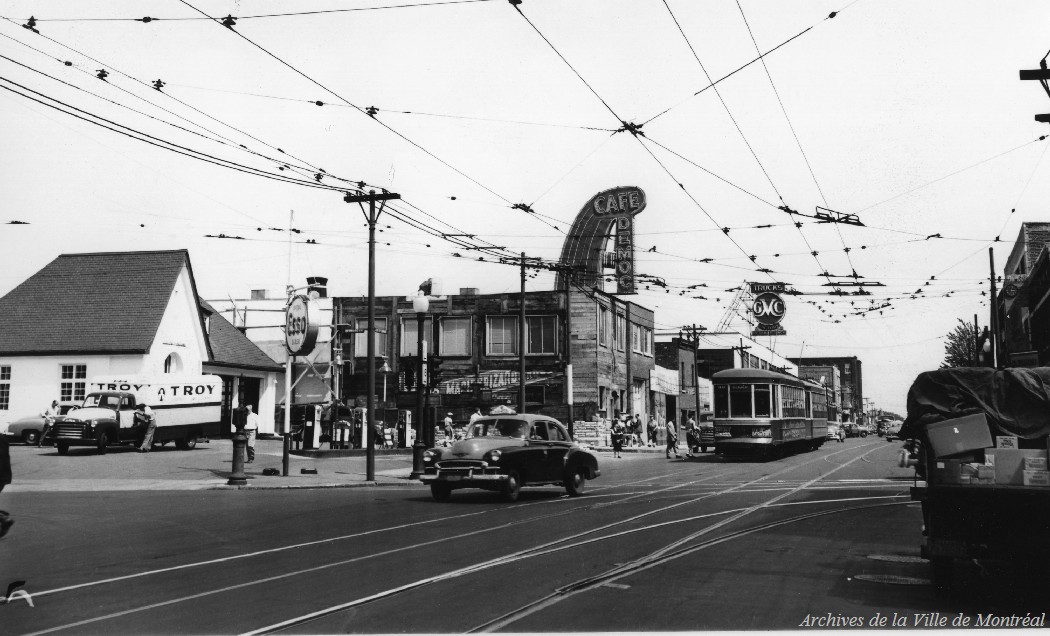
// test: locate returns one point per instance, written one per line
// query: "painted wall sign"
(301, 323)
(609, 210)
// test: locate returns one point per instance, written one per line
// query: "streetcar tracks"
(548, 547)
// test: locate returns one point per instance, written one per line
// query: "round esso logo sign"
(301, 325)
(768, 308)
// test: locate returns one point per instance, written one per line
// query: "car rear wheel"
(512, 487)
(103, 441)
(440, 492)
(189, 443)
(30, 437)
(576, 481)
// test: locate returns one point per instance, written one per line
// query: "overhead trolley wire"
(739, 130)
(172, 97)
(151, 139)
(271, 15)
(794, 133)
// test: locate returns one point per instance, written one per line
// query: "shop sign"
(761, 288)
(621, 204)
(301, 323)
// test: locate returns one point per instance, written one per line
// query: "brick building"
(1016, 301)
(608, 342)
(851, 393)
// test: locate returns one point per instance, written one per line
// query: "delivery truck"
(977, 438)
(186, 408)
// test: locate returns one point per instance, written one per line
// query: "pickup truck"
(186, 408)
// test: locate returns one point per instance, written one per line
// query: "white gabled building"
(117, 313)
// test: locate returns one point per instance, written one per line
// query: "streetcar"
(767, 413)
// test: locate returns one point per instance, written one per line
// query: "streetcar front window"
(721, 401)
(762, 400)
(740, 400)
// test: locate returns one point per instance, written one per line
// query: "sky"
(496, 123)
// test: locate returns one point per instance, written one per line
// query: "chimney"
(317, 287)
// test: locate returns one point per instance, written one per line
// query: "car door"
(554, 442)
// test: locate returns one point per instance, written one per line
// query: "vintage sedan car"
(893, 430)
(29, 428)
(502, 453)
(835, 432)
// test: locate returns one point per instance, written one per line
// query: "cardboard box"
(1037, 478)
(1035, 463)
(959, 435)
(1006, 441)
(1009, 463)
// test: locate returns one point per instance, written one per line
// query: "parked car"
(853, 429)
(505, 452)
(893, 430)
(835, 432)
(29, 428)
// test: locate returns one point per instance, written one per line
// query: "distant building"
(719, 351)
(830, 377)
(851, 394)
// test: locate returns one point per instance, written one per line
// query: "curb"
(361, 484)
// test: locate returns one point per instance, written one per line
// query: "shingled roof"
(231, 348)
(111, 303)
(101, 303)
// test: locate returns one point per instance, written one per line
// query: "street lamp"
(385, 370)
(420, 305)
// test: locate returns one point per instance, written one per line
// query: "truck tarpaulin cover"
(1016, 401)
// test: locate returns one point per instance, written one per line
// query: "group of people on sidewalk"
(627, 430)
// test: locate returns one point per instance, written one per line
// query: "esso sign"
(301, 322)
(768, 308)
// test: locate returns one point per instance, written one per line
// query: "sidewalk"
(207, 467)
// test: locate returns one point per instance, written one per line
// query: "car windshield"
(498, 428)
(102, 400)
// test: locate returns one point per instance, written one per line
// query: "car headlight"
(495, 455)
(429, 456)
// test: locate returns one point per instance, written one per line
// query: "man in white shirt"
(145, 417)
(251, 428)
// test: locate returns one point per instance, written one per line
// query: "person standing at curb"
(144, 415)
(672, 439)
(616, 437)
(251, 429)
(49, 415)
(476, 415)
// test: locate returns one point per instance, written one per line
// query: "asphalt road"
(822, 539)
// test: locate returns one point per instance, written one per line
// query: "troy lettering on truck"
(188, 389)
(126, 387)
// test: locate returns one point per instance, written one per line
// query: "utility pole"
(521, 342)
(371, 217)
(995, 312)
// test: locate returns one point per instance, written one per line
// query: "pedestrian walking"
(617, 435)
(692, 437)
(49, 415)
(636, 430)
(652, 430)
(251, 429)
(144, 416)
(672, 439)
(6, 521)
